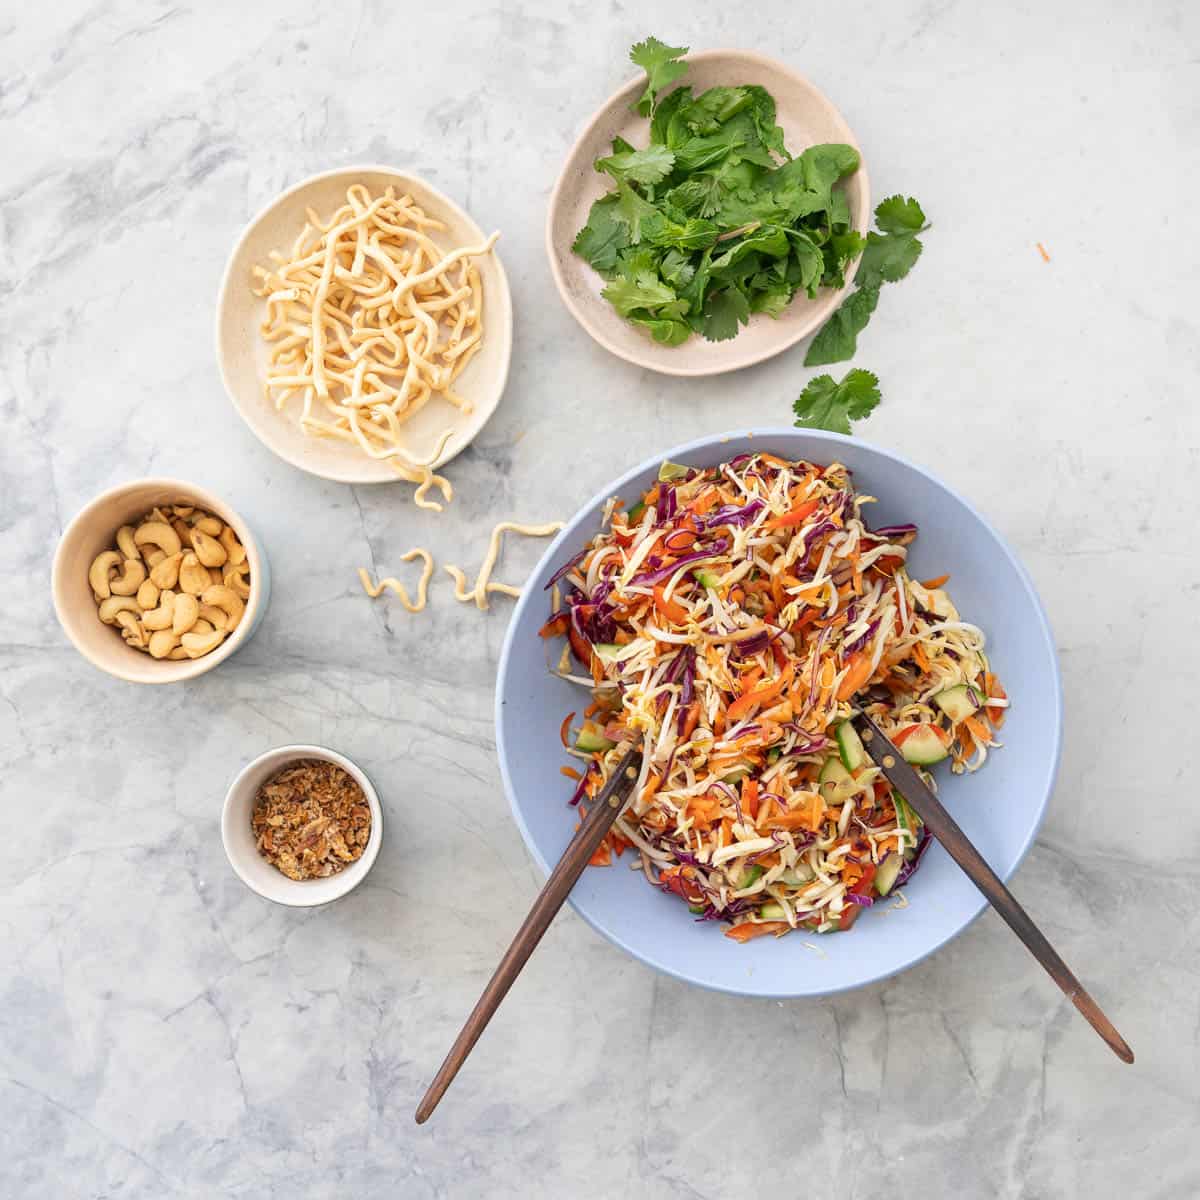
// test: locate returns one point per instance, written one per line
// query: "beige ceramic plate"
(807, 118)
(242, 353)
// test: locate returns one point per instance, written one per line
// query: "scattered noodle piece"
(368, 319)
(375, 589)
(483, 581)
(1043, 252)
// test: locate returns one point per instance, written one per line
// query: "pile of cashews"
(176, 585)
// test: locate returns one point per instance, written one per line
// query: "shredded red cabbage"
(649, 578)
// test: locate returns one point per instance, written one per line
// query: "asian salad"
(732, 621)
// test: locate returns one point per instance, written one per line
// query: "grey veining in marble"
(164, 1032)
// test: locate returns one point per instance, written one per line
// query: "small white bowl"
(807, 118)
(242, 354)
(238, 836)
(94, 529)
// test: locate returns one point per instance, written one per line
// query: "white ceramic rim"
(745, 359)
(350, 476)
(178, 671)
(291, 892)
(532, 594)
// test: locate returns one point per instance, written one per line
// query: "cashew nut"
(115, 604)
(162, 643)
(226, 599)
(160, 534)
(103, 567)
(147, 595)
(131, 629)
(208, 550)
(234, 548)
(165, 573)
(176, 584)
(199, 644)
(236, 582)
(162, 616)
(193, 577)
(218, 618)
(131, 580)
(125, 542)
(184, 614)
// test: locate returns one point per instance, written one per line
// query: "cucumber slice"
(837, 785)
(772, 912)
(592, 742)
(736, 775)
(706, 579)
(607, 652)
(906, 818)
(635, 513)
(850, 746)
(670, 470)
(750, 876)
(889, 870)
(923, 747)
(959, 702)
(773, 755)
(798, 875)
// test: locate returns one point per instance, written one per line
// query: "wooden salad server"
(943, 826)
(603, 811)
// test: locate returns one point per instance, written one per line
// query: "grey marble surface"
(164, 1032)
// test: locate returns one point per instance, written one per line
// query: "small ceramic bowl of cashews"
(158, 581)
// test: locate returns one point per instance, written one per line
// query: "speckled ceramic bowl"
(999, 807)
(807, 117)
(242, 354)
(93, 530)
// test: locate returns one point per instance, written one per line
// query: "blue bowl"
(1000, 807)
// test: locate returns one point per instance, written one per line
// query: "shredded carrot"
(858, 674)
(671, 609)
(1043, 252)
(930, 584)
(570, 773)
(749, 701)
(749, 930)
(750, 796)
(565, 728)
(797, 516)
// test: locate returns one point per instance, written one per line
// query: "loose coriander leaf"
(826, 404)
(647, 167)
(662, 69)
(667, 332)
(838, 338)
(887, 258)
(899, 215)
(692, 234)
(724, 312)
(603, 237)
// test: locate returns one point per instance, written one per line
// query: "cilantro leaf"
(662, 69)
(825, 404)
(887, 257)
(724, 312)
(899, 215)
(631, 210)
(838, 338)
(648, 167)
(603, 237)
(642, 290)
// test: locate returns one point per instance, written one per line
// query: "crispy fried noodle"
(368, 318)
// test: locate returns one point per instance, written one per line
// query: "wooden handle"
(945, 828)
(603, 812)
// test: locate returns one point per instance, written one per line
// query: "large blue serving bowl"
(1000, 807)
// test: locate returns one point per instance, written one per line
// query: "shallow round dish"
(807, 117)
(242, 354)
(93, 530)
(1000, 807)
(238, 836)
